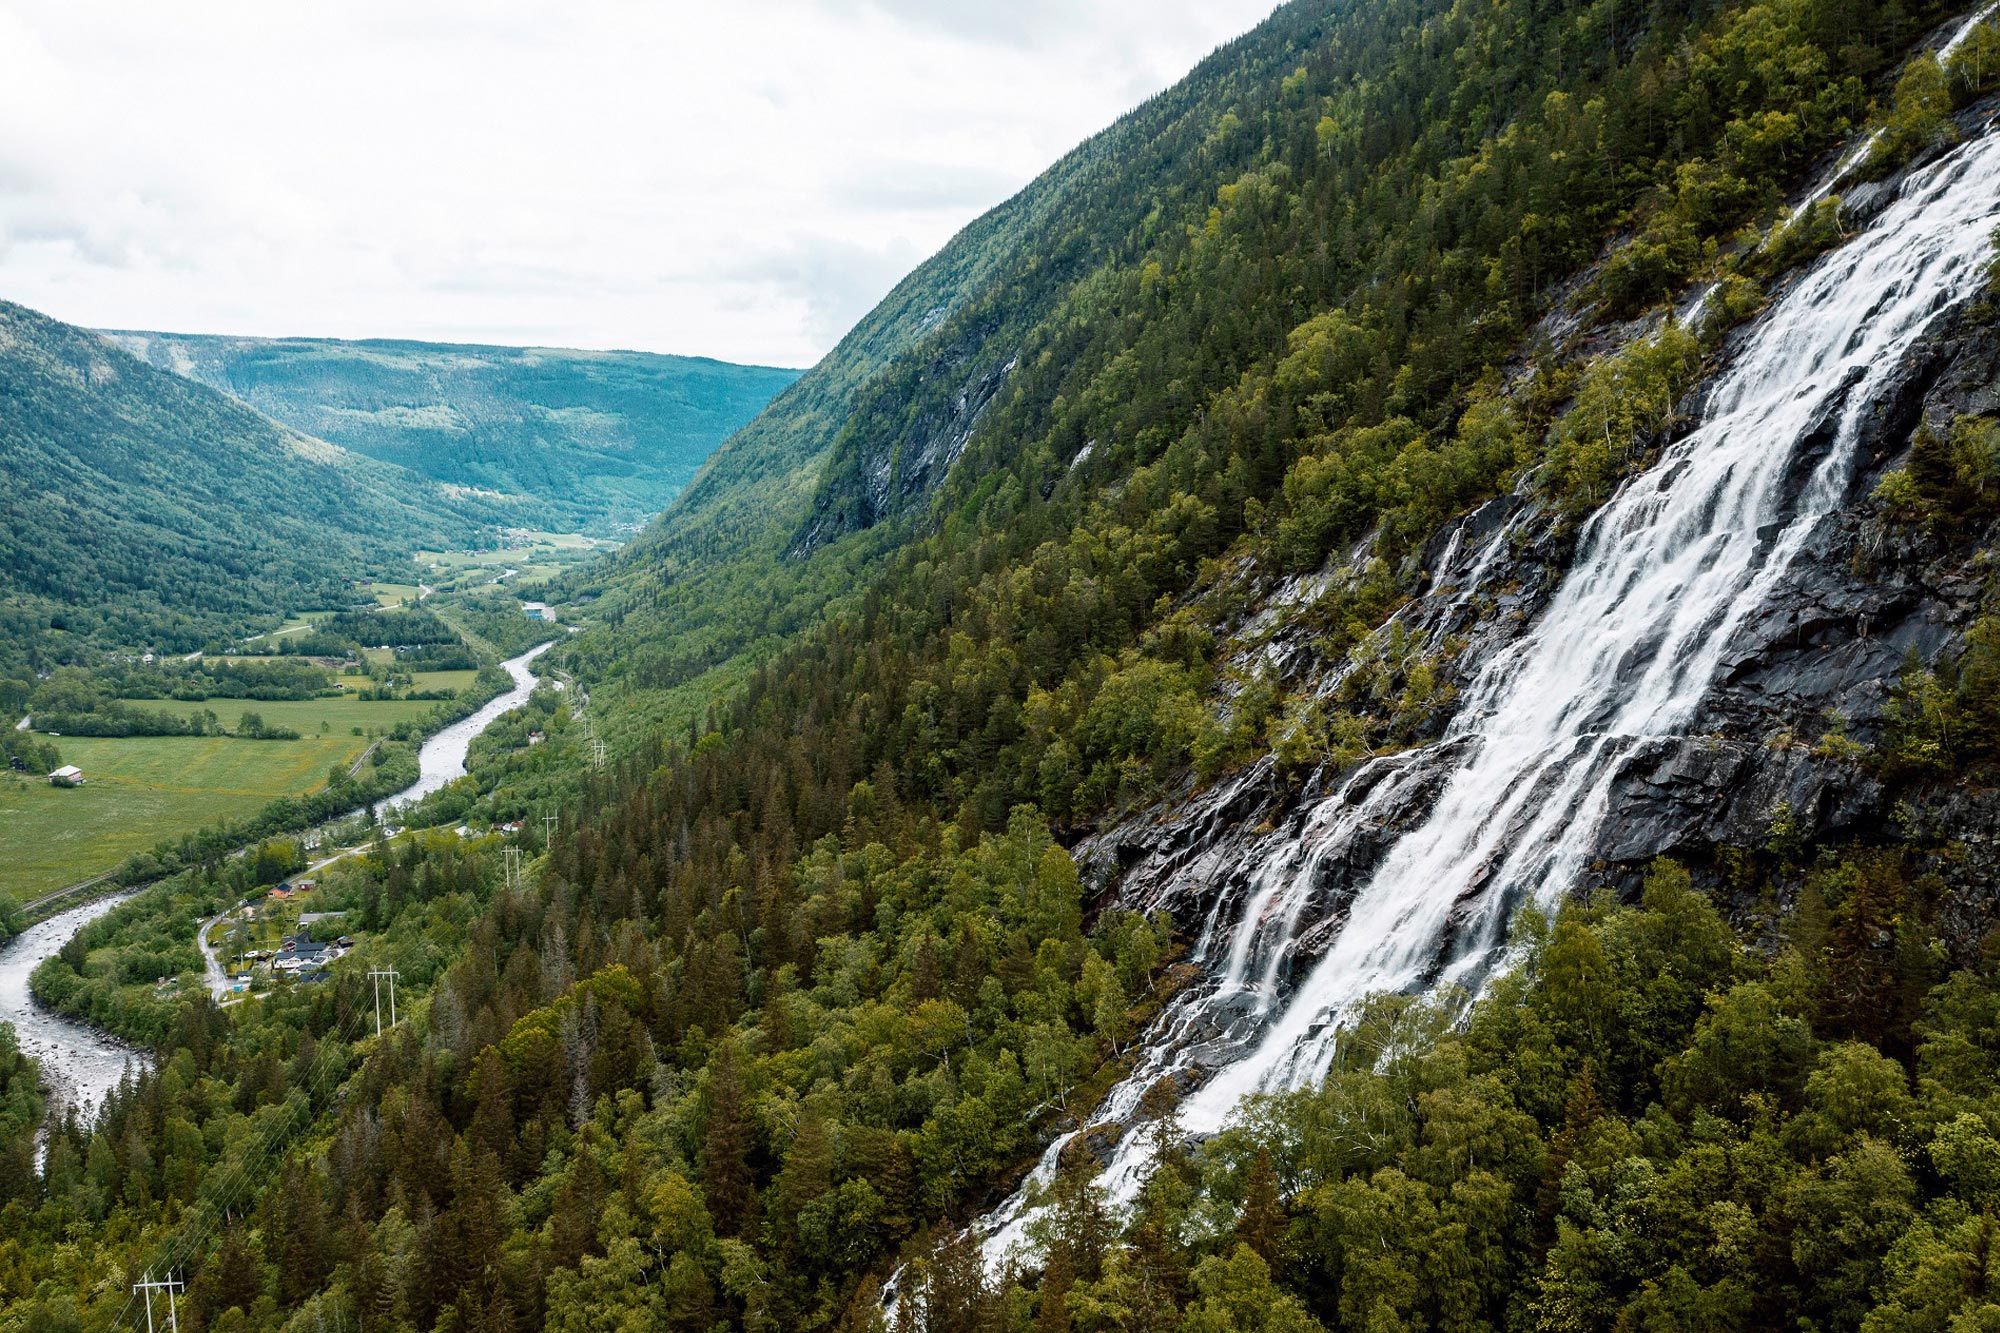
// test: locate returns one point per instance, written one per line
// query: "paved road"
(211, 958)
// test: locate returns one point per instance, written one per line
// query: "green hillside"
(146, 511)
(709, 582)
(570, 439)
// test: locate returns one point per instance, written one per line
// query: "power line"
(170, 1284)
(239, 1175)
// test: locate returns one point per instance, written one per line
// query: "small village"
(261, 941)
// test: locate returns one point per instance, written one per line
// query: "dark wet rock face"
(1705, 791)
(1812, 671)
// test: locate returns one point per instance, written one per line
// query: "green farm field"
(443, 680)
(304, 716)
(143, 788)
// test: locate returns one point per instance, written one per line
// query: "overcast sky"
(731, 178)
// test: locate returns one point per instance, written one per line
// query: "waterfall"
(1664, 574)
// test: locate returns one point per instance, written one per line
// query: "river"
(442, 758)
(80, 1064)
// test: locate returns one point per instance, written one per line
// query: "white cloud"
(739, 180)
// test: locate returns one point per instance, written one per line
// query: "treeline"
(76, 689)
(420, 640)
(497, 619)
(20, 1114)
(114, 717)
(215, 678)
(36, 754)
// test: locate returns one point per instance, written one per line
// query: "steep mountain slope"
(1329, 227)
(569, 438)
(1371, 325)
(146, 511)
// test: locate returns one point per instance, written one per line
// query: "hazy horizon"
(741, 185)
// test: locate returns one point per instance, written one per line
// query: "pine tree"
(238, 1276)
(1261, 1224)
(1052, 1303)
(725, 1163)
(926, 975)
(304, 1237)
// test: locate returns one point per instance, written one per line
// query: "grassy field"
(443, 680)
(294, 625)
(305, 716)
(141, 789)
(424, 680)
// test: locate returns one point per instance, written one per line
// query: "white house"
(69, 775)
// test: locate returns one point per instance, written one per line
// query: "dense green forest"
(807, 979)
(571, 440)
(146, 512)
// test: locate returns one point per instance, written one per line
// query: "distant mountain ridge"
(566, 439)
(140, 509)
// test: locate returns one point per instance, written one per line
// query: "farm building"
(69, 775)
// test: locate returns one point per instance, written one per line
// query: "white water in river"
(1664, 574)
(79, 1063)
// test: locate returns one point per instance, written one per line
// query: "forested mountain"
(568, 439)
(146, 511)
(1057, 673)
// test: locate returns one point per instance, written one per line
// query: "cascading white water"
(1664, 574)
